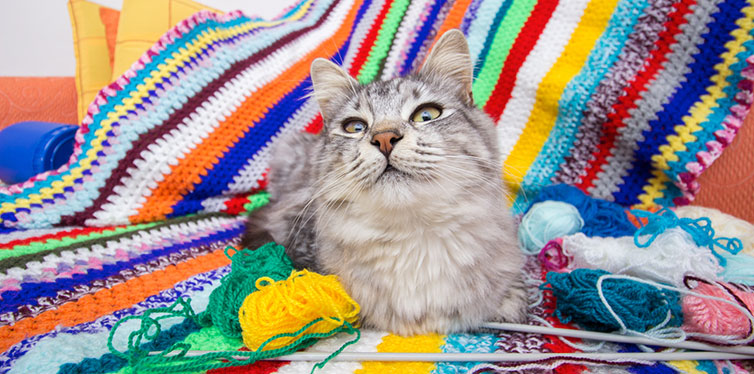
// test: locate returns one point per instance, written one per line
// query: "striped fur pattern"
(630, 100)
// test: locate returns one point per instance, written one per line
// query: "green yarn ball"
(247, 266)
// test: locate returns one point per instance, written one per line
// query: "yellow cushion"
(93, 66)
(142, 23)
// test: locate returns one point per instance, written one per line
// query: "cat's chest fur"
(404, 264)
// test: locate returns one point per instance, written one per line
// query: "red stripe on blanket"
(71, 234)
(259, 367)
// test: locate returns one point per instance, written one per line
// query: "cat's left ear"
(450, 59)
(330, 82)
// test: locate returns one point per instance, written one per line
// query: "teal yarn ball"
(640, 306)
(246, 266)
(545, 221)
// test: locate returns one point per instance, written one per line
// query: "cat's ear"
(450, 59)
(329, 82)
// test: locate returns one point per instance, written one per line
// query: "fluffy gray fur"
(421, 238)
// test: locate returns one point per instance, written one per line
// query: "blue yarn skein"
(640, 306)
(545, 221)
(601, 218)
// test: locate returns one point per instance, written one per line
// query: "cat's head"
(397, 138)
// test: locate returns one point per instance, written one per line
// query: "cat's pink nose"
(385, 141)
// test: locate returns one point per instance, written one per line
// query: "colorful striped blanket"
(629, 100)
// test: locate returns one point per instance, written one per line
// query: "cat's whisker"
(355, 188)
(454, 175)
(345, 193)
(331, 181)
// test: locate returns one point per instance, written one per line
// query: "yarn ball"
(716, 317)
(545, 221)
(601, 218)
(640, 306)
(247, 266)
(282, 312)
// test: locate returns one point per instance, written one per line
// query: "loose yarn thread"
(639, 307)
(601, 218)
(545, 221)
(308, 299)
(725, 224)
(738, 268)
(700, 230)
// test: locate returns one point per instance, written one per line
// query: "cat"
(401, 197)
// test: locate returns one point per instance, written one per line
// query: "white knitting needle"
(494, 357)
(617, 338)
(702, 351)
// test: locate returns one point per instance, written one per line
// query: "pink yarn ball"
(716, 317)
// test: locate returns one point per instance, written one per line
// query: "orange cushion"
(49, 99)
(728, 185)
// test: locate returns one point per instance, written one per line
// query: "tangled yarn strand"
(700, 230)
(149, 329)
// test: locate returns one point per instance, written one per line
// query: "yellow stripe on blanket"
(544, 113)
(688, 367)
(394, 343)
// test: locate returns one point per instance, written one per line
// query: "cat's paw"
(513, 308)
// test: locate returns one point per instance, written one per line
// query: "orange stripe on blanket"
(186, 174)
(107, 301)
(454, 18)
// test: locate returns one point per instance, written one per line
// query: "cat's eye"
(354, 126)
(426, 113)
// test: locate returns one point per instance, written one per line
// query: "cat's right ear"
(329, 82)
(450, 59)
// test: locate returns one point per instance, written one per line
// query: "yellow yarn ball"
(287, 306)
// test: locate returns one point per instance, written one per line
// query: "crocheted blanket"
(629, 100)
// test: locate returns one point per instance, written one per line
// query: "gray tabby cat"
(401, 197)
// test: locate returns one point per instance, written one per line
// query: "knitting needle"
(592, 335)
(494, 357)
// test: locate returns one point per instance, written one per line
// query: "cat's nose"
(385, 141)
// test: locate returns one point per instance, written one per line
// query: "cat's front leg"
(513, 308)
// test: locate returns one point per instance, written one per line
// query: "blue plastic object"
(30, 148)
